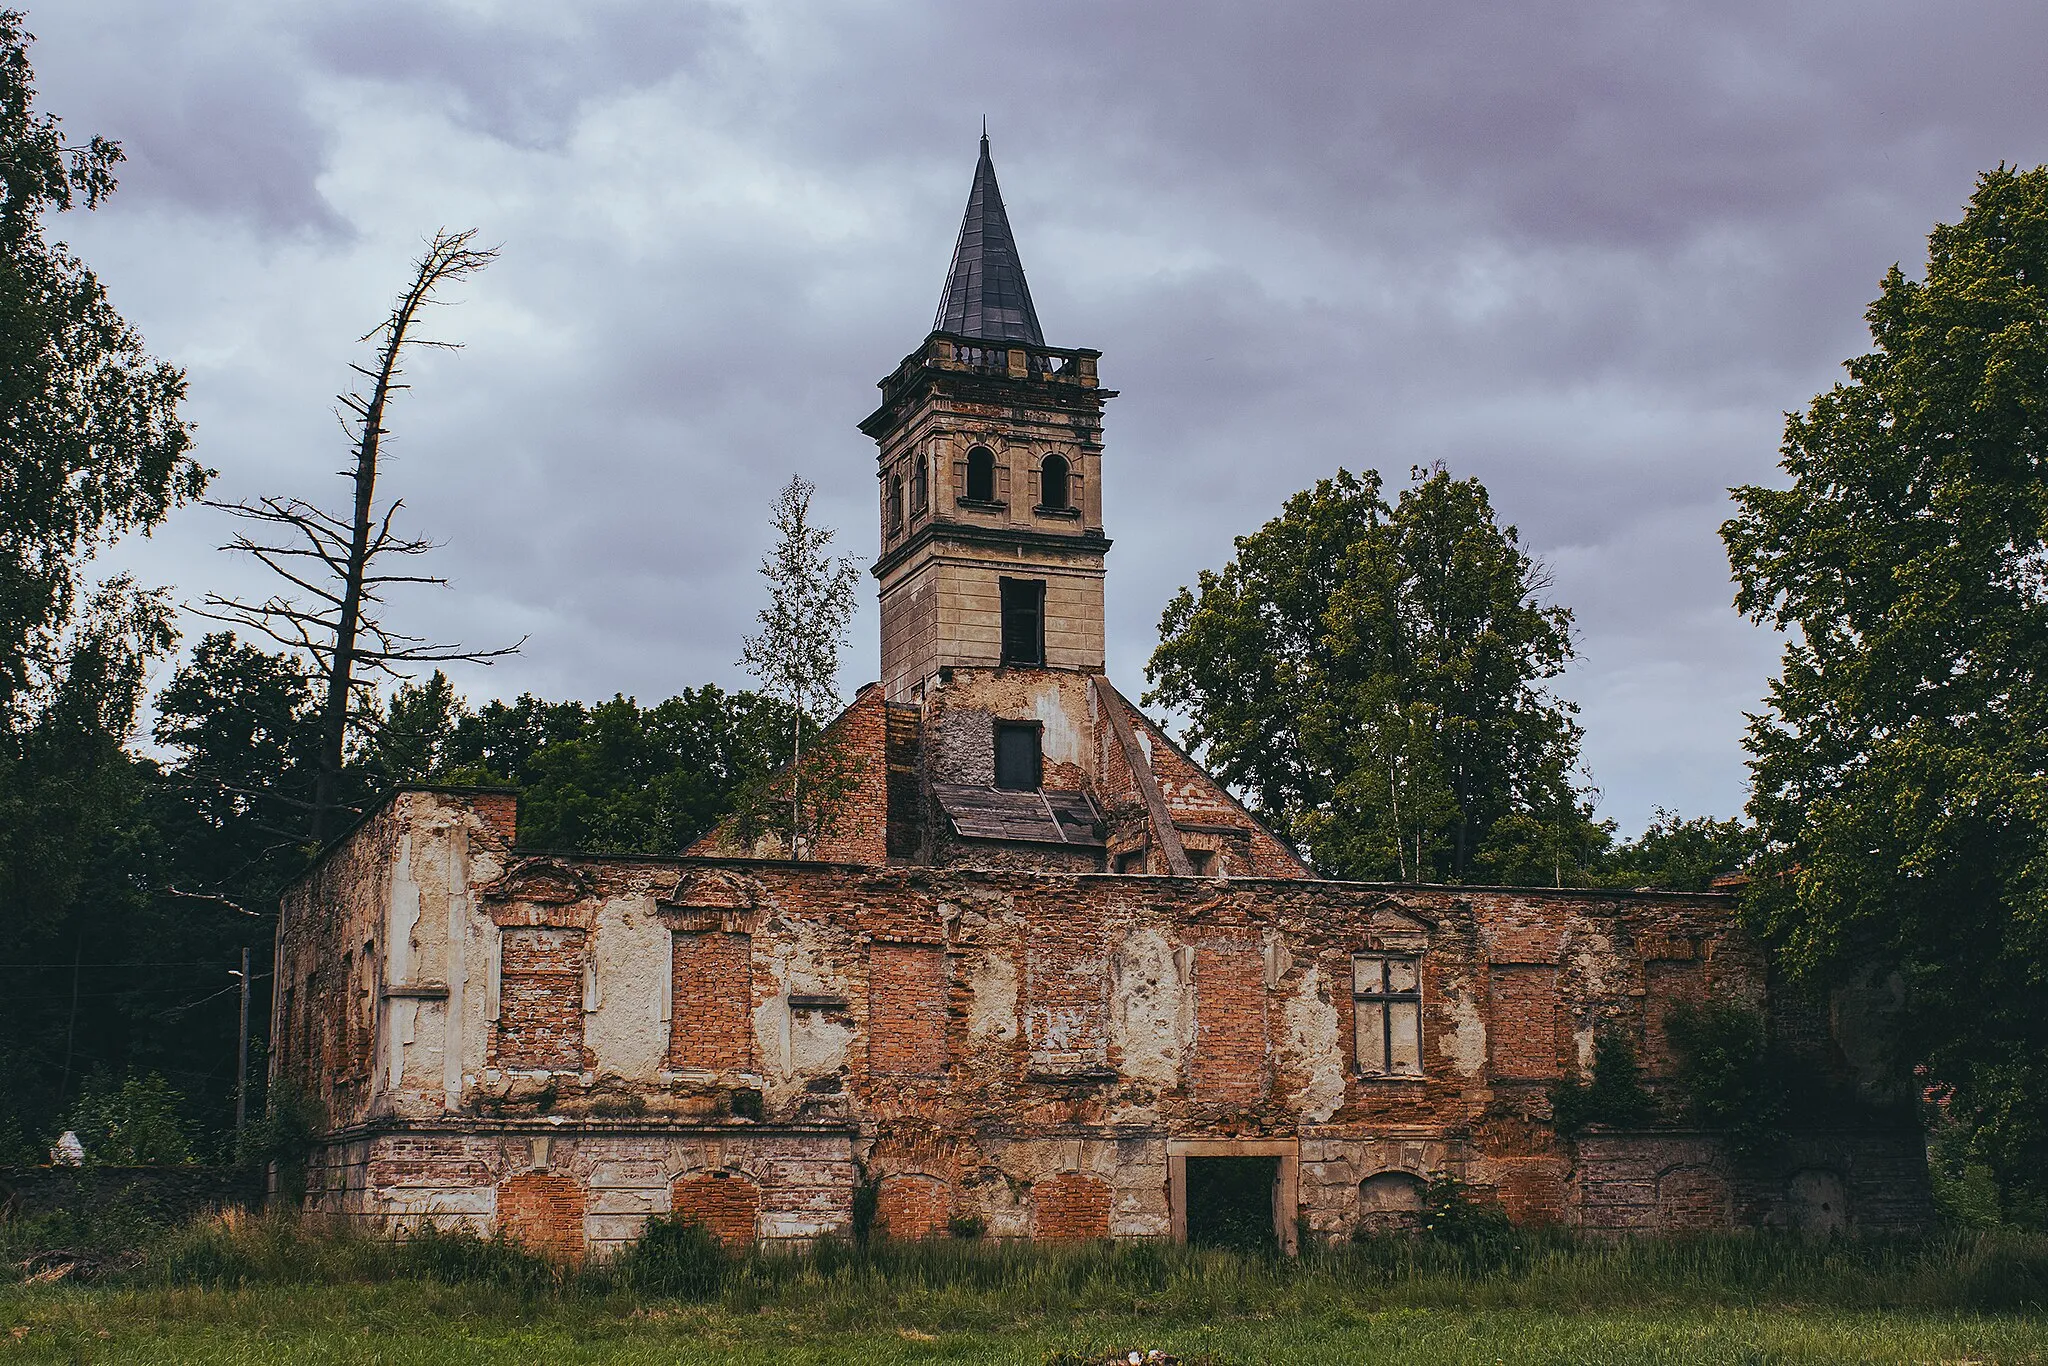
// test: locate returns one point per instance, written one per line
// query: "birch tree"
(796, 655)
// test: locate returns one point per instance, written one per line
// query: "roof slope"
(985, 296)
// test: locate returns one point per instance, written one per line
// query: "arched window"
(895, 503)
(981, 475)
(1052, 482)
(920, 497)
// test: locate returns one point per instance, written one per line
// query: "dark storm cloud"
(1586, 252)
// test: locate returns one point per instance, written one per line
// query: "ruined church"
(1045, 979)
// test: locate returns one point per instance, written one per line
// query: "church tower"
(990, 474)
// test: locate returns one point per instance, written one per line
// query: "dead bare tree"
(334, 562)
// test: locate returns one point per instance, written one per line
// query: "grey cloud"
(1588, 252)
(211, 117)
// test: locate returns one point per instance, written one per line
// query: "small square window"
(1018, 768)
(1386, 1005)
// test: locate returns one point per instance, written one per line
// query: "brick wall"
(724, 1202)
(1523, 1022)
(912, 1205)
(540, 998)
(1070, 1207)
(1230, 1022)
(1193, 796)
(1669, 1181)
(1067, 1005)
(860, 832)
(711, 1013)
(906, 1008)
(931, 989)
(543, 1210)
(1668, 986)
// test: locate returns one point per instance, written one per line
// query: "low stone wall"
(1664, 1181)
(166, 1195)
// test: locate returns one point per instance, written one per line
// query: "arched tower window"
(981, 475)
(1052, 482)
(920, 495)
(895, 503)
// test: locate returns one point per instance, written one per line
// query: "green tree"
(796, 658)
(1614, 1093)
(1676, 854)
(134, 1122)
(1372, 677)
(1900, 775)
(91, 448)
(615, 777)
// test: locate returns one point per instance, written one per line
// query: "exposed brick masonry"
(1070, 1207)
(1524, 1018)
(540, 998)
(725, 1203)
(543, 1210)
(912, 1205)
(711, 1014)
(1230, 1022)
(906, 1008)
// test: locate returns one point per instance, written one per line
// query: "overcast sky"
(1589, 253)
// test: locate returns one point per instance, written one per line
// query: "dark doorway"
(1230, 1202)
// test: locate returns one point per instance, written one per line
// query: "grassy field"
(269, 1293)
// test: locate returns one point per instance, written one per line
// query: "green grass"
(248, 1292)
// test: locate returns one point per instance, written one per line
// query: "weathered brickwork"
(906, 1008)
(912, 1205)
(1070, 1207)
(1016, 1046)
(727, 1204)
(1524, 1022)
(1068, 980)
(712, 1008)
(542, 1210)
(1230, 1066)
(1025, 1007)
(540, 999)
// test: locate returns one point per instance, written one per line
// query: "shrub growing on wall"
(1613, 1094)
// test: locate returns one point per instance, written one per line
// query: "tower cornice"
(1015, 538)
(972, 370)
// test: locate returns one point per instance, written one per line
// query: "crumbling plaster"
(1041, 1078)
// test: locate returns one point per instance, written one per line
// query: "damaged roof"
(987, 813)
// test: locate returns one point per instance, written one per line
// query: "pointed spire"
(986, 296)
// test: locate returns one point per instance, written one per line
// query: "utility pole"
(242, 1055)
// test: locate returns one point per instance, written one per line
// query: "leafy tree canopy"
(1900, 775)
(615, 776)
(1676, 854)
(1373, 677)
(92, 447)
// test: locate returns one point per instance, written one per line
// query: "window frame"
(1382, 1000)
(920, 486)
(1010, 612)
(895, 504)
(1065, 502)
(1034, 729)
(968, 493)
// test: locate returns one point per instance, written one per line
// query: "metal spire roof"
(986, 296)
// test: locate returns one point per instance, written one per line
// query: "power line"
(137, 963)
